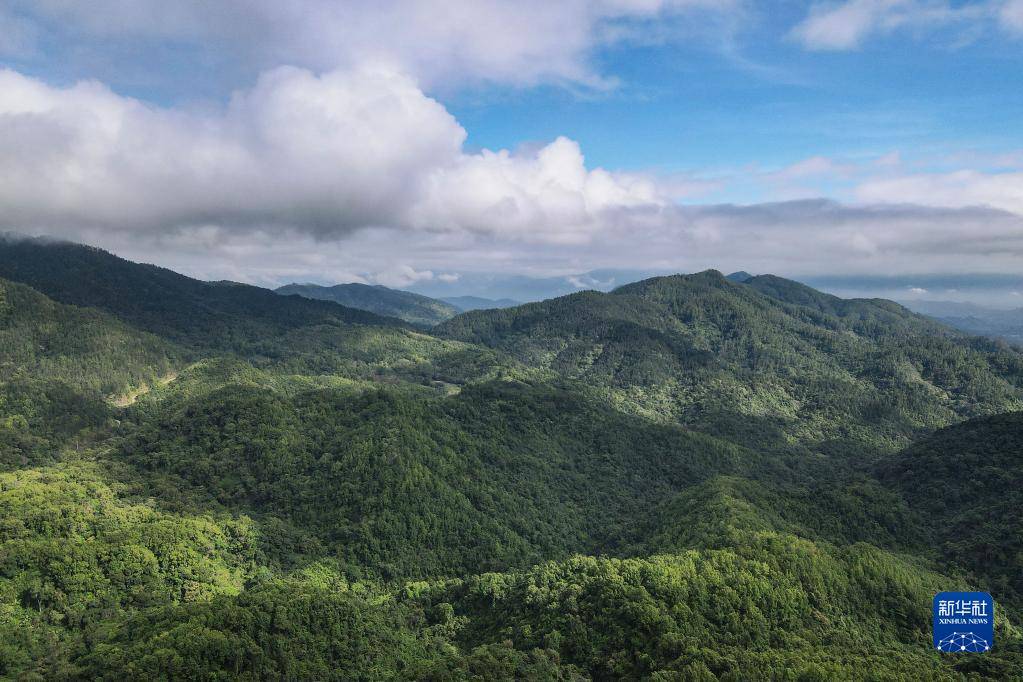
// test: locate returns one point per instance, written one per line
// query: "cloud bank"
(522, 43)
(358, 175)
(343, 165)
(321, 155)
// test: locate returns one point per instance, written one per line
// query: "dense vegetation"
(225, 316)
(966, 481)
(768, 356)
(415, 309)
(58, 364)
(688, 478)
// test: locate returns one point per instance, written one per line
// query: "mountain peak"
(740, 277)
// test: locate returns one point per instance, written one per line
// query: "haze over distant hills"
(413, 308)
(983, 289)
(998, 323)
(465, 303)
(497, 341)
(497, 286)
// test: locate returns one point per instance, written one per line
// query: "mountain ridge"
(161, 301)
(413, 308)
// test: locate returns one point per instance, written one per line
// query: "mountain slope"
(966, 481)
(780, 608)
(85, 348)
(413, 308)
(58, 366)
(498, 476)
(211, 315)
(765, 357)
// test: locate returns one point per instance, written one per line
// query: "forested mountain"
(769, 356)
(465, 303)
(59, 365)
(405, 305)
(686, 478)
(966, 481)
(216, 315)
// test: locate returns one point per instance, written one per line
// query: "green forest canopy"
(687, 478)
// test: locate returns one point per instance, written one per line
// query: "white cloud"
(401, 276)
(520, 43)
(959, 188)
(549, 195)
(801, 238)
(846, 25)
(840, 26)
(917, 291)
(324, 155)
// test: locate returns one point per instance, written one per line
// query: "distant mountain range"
(997, 323)
(496, 286)
(413, 308)
(216, 315)
(464, 303)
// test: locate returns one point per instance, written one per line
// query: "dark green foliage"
(317, 632)
(81, 347)
(775, 603)
(58, 366)
(208, 315)
(967, 483)
(777, 608)
(422, 311)
(500, 475)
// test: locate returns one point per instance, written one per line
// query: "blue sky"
(698, 110)
(407, 142)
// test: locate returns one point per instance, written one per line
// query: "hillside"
(684, 478)
(749, 360)
(966, 482)
(422, 311)
(397, 486)
(223, 316)
(59, 366)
